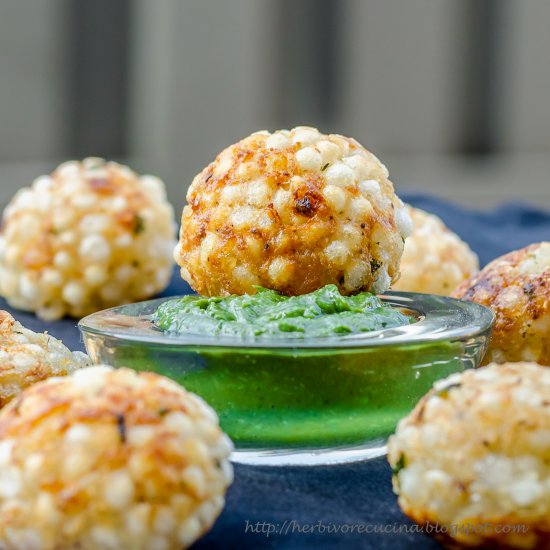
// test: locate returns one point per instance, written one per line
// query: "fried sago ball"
(516, 287)
(472, 458)
(27, 357)
(110, 459)
(292, 211)
(91, 235)
(435, 259)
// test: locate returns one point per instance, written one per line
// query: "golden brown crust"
(435, 260)
(267, 215)
(516, 287)
(91, 235)
(109, 459)
(27, 358)
(470, 462)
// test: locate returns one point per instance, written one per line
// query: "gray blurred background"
(453, 95)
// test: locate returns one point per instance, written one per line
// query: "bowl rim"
(439, 319)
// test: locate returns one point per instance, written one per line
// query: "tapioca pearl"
(383, 170)
(95, 248)
(330, 152)
(74, 293)
(403, 222)
(246, 170)
(304, 135)
(25, 199)
(233, 193)
(98, 174)
(52, 312)
(91, 163)
(43, 184)
(10, 482)
(189, 531)
(223, 446)
(124, 273)
(27, 227)
(118, 204)
(94, 223)
(243, 274)
(154, 185)
(112, 292)
(242, 217)
(139, 436)
(359, 164)
(255, 246)
(351, 234)
(45, 203)
(34, 349)
(281, 201)
(194, 479)
(105, 537)
(165, 520)
(28, 287)
(264, 219)
(73, 188)
(159, 249)
(207, 512)
(178, 250)
(91, 377)
(309, 159)
(33, 465)
(335, 196)
(63, 260)
(148, 289)
(121, 170)
(280, 270)
(340, 175)
(277, 141)
(196, 451)
(360, 207)
(124, 240)
(62, 219)
(342, 143)
(369, 187)
(224, 164)
(257, 193)
(78, 434)
(315, 233)
(179, 423)
(411, 248)
(337, 252)
(68, 238)
(382, 281)
(119, 490)
(84, 201)
(453, 271)
(95, 274)
(9, 211)
(357, 275)
(23, 361)
(12, 254)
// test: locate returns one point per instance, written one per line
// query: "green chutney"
(319, 314)
(295, 397)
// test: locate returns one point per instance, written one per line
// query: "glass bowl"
(303, 401)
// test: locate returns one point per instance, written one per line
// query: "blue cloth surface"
(346, 501)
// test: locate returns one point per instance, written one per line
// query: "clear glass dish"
(303, 401)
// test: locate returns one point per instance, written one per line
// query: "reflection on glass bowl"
(307, 401)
